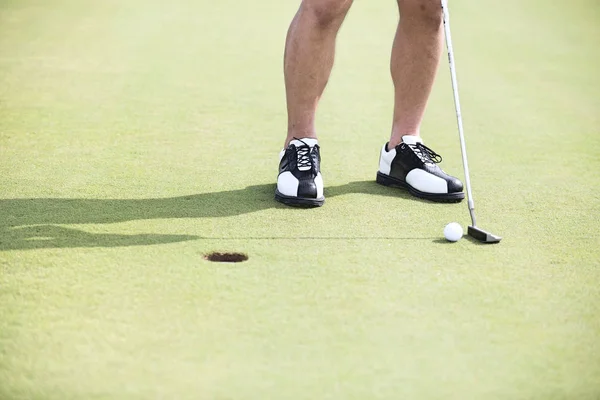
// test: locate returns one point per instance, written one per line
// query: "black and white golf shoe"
(413, 166)
(299, 182)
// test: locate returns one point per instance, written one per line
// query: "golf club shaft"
(446, 18)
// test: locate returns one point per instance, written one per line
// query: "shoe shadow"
(367, 187)
(33, 223)
(371, 187)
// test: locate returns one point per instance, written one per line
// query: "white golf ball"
(453, 232)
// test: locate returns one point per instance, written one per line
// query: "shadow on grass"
(31, 223)
(52, 236)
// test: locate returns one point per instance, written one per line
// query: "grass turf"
(135, 137)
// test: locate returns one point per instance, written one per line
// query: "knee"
(327, 13)
(426, 12)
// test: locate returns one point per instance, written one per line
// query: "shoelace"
(305, 161)
(426, 155)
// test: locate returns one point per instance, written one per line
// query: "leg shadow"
(56, 237)
(27, 224)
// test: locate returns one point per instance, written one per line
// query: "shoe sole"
(301, 202)
(386, 180)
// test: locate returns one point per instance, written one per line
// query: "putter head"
(483, 236)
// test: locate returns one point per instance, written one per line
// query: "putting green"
(137, 136)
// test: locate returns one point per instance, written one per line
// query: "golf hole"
(226, 257)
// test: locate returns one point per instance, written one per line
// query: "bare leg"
(415, 58)
(308, 60)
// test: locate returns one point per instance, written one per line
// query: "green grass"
(137, 136)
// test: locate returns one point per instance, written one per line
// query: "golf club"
(473, 231)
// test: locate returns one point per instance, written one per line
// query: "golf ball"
(453, 232)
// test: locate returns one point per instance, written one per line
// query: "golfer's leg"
(309, 54)
(415, 59)
(405, 162)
